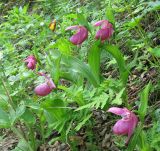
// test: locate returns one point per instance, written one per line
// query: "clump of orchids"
(44, 88)
(124, 126)
(81, 34)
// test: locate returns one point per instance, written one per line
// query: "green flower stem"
(10, 101)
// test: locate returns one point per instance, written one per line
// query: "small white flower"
(42, 24)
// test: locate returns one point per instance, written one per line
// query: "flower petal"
(31, 65)
(31, 62)
(49, 81)
(117, 111)
(99, 23)
(51, 84)
(133, 123)
(121, 127)
(106, 30)
(42, 89)
(103, 34)
(80, 36)
(75, 27)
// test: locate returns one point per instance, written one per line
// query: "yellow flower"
(52, 25)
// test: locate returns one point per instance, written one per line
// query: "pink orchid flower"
(106, 30)
(127, 124)
(46, 87)
(31, 62)
(80, 36)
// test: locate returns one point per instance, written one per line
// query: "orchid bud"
(80, 36)
(46, 87)
(127, 124)
(106, 30)
(31, 62)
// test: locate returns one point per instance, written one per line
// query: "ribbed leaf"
(115, 52)
(51, 106)
(64, 46)
(15, 115)
(109, 14)
(144, 102)
(4, 119)
(28, 117)
(94, 60)
(81, 68)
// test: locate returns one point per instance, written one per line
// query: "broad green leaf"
(81, 68)
(4, 119)
(54, 108)
(115, 52)
(33, 105)
(64, 46)
(94, 60)
(3, 102)
(28, 117)
(15, 115)
(21, 146)
(144, 101)
(68, 76)
(57, 70)
(109, 14)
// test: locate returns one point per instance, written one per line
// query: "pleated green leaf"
(4, 119)
(109, 14)
(81, 68)
(144, 102)
(116, 53)
(94, 60)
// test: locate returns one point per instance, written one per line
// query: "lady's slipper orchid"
(127, 124)
(46, 87)
(106, 30)
(52, 25)
(31, 62)
(80, 36)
